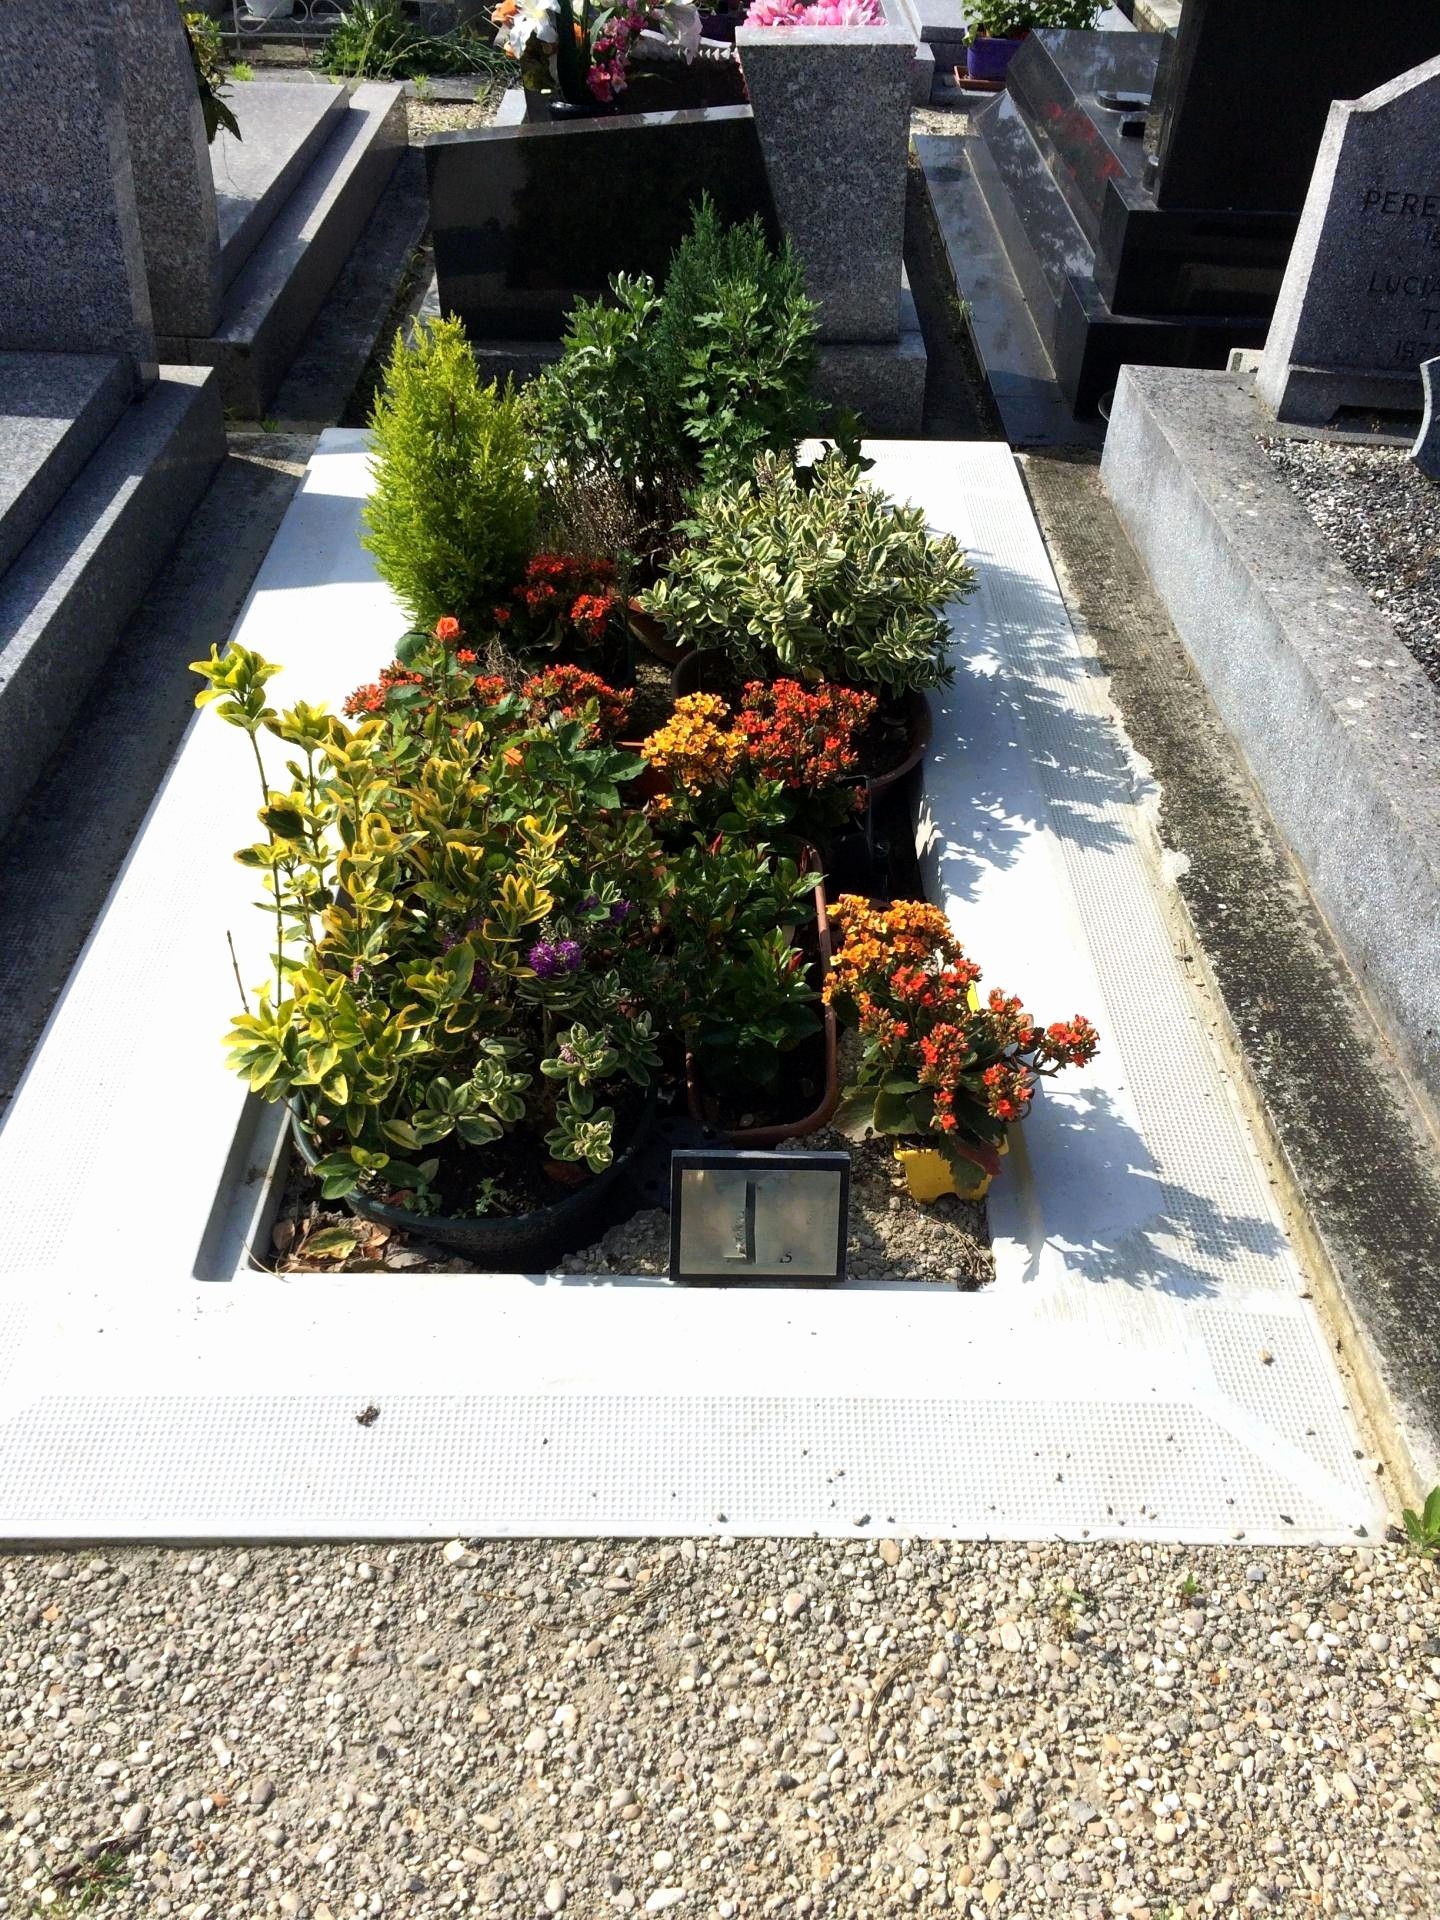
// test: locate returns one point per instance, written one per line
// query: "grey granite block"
(55, 409)
(1360, 305)
(922, 75)
(66, 598)
(832, 111)
(171, 165)
(72, 269)
(882, 380)
(282, 130)
(1340, 727)
(281, 288)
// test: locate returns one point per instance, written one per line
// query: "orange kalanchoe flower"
(937, 1059)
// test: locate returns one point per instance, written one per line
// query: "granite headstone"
(527, 218)
(1242, 92)
(1359, 308)
(171, 164)
(72, 267)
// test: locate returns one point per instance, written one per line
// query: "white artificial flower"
(531, 20)
(679, 22)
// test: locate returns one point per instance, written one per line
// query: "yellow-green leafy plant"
(452, 515)
(814, 573)
(464, 919)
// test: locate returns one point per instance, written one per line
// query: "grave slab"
(1340, 727)
(1145, 1365)
(283, 129)
(1360, 305)
(271, 304)
(55, 409)
(82, 572)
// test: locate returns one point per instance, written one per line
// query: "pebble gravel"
(719, 1729)
(1382, 515)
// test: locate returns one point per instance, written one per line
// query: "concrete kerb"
(1339, 726)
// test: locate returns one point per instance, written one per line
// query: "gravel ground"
(891, 1238)
(1383, 517)
(719, 1729)
(441, 116)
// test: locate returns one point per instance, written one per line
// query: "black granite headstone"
(1245, 85)
(527, 219)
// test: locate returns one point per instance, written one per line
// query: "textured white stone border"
(1144, 1365)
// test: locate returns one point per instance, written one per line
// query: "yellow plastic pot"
(930, 1175)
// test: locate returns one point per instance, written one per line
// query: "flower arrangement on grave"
(587, 50)
(816, 574)
(818, 13)
(787, 754)
(563, 603)
(466, 973)
(938, 1067)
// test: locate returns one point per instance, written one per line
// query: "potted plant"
(751, 951)
(942, 1072)
(997, 27)
(786, 756)
(815, 574)
(466, 952)
(660, 388)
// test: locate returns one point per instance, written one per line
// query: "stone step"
(82, 573)
(274, 299)
(55, 409)
(283, 128)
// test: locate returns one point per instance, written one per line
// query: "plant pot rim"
(539, 1224)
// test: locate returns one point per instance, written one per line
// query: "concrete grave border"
(1339, 725)
(1147, 1364)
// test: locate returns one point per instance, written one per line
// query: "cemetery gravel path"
(719, 1729)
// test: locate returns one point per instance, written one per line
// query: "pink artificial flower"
(599, 83)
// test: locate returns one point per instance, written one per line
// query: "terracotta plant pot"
(510, 1243)
(821, 1115)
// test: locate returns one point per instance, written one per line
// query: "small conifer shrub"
(452, 515)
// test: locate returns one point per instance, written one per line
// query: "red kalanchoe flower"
(568, 690)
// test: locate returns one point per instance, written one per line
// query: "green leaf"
(331, 1243)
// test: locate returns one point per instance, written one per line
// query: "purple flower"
(543, 959)
(589, 903)
(568, 955)
(620, 911)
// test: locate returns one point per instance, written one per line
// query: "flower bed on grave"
(527, 895)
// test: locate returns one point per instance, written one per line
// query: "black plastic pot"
(511, 1243)
(705, 670)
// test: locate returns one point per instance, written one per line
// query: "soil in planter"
(516, 1164)
(891, 1238)
(653, 702)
